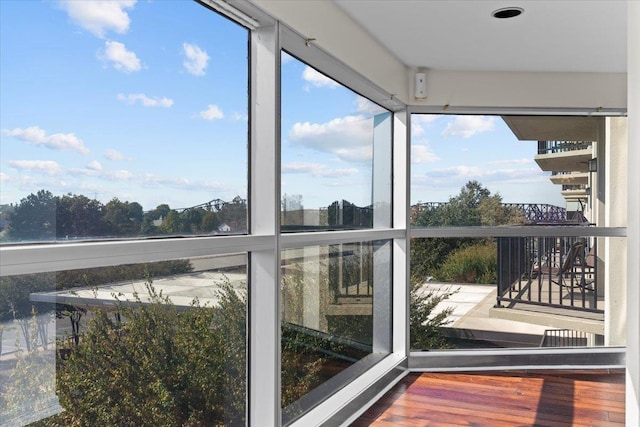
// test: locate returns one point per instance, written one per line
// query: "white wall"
(337, 33)
(524, 89)
(633, 227)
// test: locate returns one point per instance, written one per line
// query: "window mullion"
(264, 319)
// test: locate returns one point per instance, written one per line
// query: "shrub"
(471, 264)
(425, 331)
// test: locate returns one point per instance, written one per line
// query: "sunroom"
(234, 212)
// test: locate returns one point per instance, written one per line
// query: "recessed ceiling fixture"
(507, 12)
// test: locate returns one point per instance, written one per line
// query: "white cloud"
(4, 177)
(486, 175)
(319, 170)
(467, 126)
(146, 101)
(121, 175)
(154, 181)
(48, 167)
(318, 79)
(120, 58)
(99, 16)
(95, 166)
(523, 161)
(212, 113)
(350, 138)
(419, 122)
(113, 154)
(57, 141)
(421, 153)
(196, 60)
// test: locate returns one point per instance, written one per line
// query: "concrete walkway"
(471, 318)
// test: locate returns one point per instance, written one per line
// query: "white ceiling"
(550, 36)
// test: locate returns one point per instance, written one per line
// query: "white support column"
(614, 250)
(401, 201)
(264, 275)
(633, 226)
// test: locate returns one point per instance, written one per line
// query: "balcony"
(551, 281)
(570, 178)
(565, 156)
(575, 192)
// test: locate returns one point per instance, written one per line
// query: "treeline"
(43, 216)
(461, 260)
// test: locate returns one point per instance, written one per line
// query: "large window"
(506, 212)
(114, 126)
(334, 307)
(124, 126)
(336, 177)
(336, 150)
(161, 342)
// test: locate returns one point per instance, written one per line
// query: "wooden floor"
(531, 398)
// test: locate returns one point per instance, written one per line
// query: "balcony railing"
(549, 147)
(558, 272)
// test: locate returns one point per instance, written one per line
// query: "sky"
(146, 101)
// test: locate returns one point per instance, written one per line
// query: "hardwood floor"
(531, 398)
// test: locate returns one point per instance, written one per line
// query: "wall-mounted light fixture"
(593, 165)
(420, 87)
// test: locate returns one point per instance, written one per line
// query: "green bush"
(161, 365)
(471, 264)
(425, 331)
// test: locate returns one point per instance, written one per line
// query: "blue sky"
(147, 101)
(448, 151)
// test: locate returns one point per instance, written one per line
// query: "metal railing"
(558, 272)
(548, 147)
(564, 338)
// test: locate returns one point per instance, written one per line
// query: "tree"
(209, 222)
(159, 365)
(473, 206)
(34, 218)
(79, 216)
(192, 219)
(173, 223)
(123, 218)
(234, 213)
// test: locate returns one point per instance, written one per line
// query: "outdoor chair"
(571, 271)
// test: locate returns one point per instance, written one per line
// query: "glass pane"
(113, 126)
(525, 291)
(335, 304)
(336, 154)
(143, 344)
(492, 170)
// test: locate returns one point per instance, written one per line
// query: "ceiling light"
(507, 12)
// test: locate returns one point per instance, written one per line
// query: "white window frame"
(264, 242)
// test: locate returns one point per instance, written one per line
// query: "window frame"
(305, 50)
(447, 360)
(264, 242)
